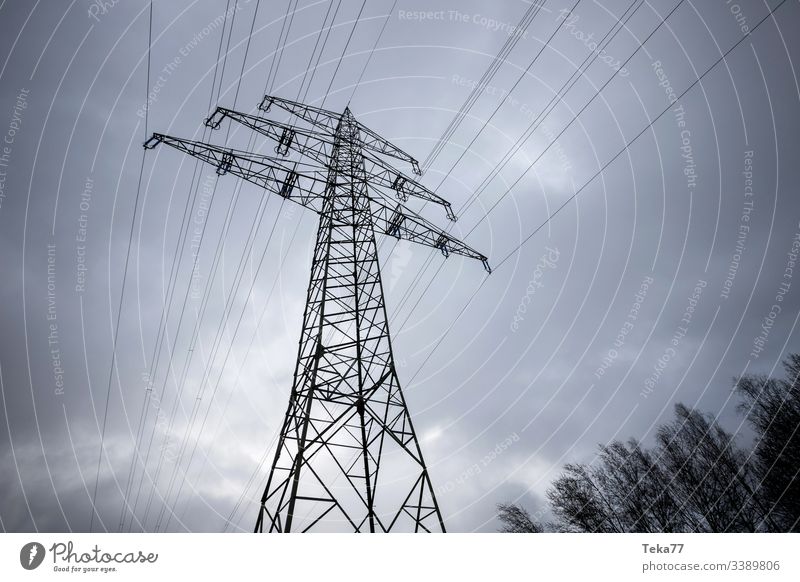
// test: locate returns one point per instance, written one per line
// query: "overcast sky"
(668, 275)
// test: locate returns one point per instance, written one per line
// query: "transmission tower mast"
(347, 455)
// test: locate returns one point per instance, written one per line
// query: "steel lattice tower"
(347, 455)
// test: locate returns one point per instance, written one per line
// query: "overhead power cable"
(480, 86)
(322, 50)
(372, 51)
(344, 52)
(206, 291)
(172, 280)
(113, 366)
(314, 50)
(618, 26)
(638, 135)
(229, 299)
(598, 173)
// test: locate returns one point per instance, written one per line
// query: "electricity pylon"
(347, 454)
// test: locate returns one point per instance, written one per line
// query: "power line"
(587, 62)
(278, 57)
(601, 170)
(344, 51)
(607, 38)
(372, 52)
(314, 50)
(638, 135)
(468, 203)
(217, 255)
(172, 281)
(498, 60)
(228, 306)
(212, 358)
(229, 303)
(124, 278)
(219, 92)
(518, 81)
(227, 46)
(181, 382)
(246, 52)
(247, 353)
(581, 110)
(591, 179)
(171, 284)
(543, 112)
(152, 377)
(322, 50)
(163, 331)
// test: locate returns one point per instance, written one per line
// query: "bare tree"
(708, 473)
(772, 406)
(639, 489)
(625, 491)
(580, 503)
(696, 478)
(516, 519)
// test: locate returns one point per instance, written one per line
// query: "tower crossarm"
(400, 222)
(383, 174)
(305, 184)
(301, 183)
(372, 141)
(317, 145)
(317, 116)
(328, 120)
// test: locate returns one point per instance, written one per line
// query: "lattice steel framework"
(347, 455)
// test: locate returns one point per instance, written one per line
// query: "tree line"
(694, 479)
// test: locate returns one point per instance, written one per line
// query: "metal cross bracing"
(347, 456)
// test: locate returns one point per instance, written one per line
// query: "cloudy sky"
(668, 272)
